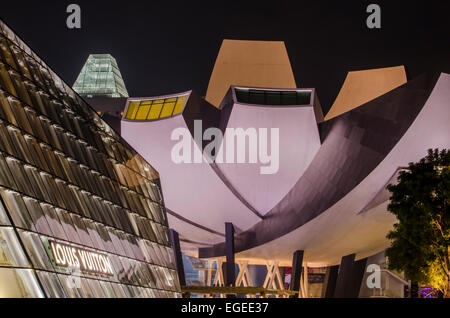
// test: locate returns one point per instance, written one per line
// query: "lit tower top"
(100, 77)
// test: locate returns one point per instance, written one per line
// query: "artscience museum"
(327, 197)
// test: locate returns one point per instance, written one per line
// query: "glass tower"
(100, 77)
(81, 213)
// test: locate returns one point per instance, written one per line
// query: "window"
(265, 97)
(4, 220)
(6, 176)
(17, 209)
(67, 283)
(155, 109)
(142, 112)
(11, 253)
(35, 250)
(38, 217)
(51, 285)
(108, 290)
(19, 283)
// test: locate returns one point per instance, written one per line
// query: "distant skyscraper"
(100, 77)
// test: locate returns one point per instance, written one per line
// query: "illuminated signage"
(82, 259)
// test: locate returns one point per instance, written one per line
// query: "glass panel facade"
(21, 283)
(100, 77)
(266, 97)
(155, 109)
(81, 213)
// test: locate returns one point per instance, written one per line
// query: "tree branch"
(439, 227)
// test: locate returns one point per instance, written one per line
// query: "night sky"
(165, 47)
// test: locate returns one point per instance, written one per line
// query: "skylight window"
(155, 109)
(270, 97)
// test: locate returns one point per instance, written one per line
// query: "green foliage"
(421, 238)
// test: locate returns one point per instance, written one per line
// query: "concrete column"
(359, 268)
(178, 257)
(297, 263)
(225, 273)
(329, 286)
(350, 277)
(230, 274)
(344, 276)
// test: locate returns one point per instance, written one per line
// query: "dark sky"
(168, 46)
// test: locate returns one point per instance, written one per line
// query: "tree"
(420, 240)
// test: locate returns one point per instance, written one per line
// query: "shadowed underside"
(361, 87)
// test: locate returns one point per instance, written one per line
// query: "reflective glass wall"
(100, 77)
(81, 213)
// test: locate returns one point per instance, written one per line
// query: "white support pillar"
(244, 277)
(305, 281)
(269, 275)
(273, 278)
(219, 279)
(210, 270)
(279, 278)
(302, 292)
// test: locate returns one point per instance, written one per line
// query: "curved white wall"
(191, 190)
(299, 142)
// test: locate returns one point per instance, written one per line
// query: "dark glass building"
(81, 213)
(100, 77)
